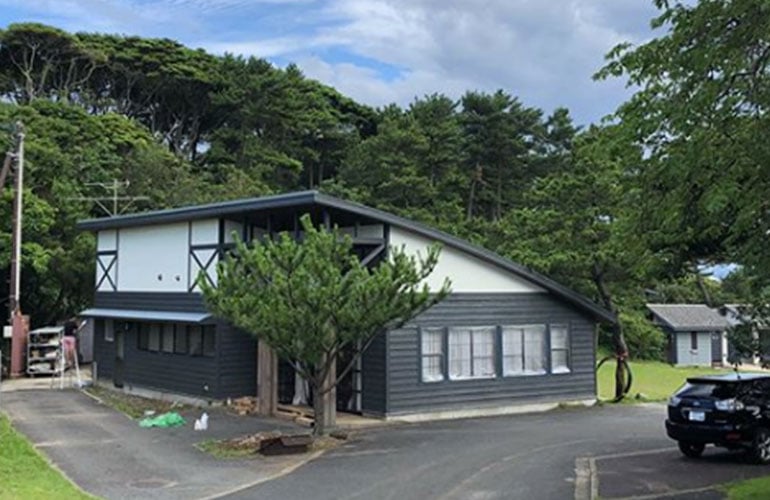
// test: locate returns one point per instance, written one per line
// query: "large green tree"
(312, 300)
(66, 149)
(575, 228)
(701, 116)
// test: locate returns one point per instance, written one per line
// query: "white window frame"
(567, 368)
(109, 330)
(518, 334)
(433, 334)
(474, 360)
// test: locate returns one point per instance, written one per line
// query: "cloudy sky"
(383, 51)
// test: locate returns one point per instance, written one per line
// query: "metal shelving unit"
(44, 351)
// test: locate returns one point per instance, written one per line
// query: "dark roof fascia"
(198, 211)
(481, 253)
(314, 197)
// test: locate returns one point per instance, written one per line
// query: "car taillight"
(728, 405)
(674, 400)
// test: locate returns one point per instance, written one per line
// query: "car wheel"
(760, 447)
(692, 450)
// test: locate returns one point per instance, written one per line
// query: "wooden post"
(267, 379)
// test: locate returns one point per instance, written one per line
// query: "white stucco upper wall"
(466, 272)
(153, 258)
(107, 240)
(204, 232)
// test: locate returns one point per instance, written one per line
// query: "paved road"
(109, 455)
(527, 456)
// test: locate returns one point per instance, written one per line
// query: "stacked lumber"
(246, 405)
(301, 415)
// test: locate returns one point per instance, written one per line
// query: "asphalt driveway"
(110, 456)
(614, 451)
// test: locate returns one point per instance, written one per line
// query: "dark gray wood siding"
(406, 393)
(231, 373)
(104, 352)
(151, 301)
(374, 377)
(175, 373)
(237, 362)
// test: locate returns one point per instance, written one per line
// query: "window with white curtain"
(560, 352)
(524, 350)
(471, 352)
(432, 348)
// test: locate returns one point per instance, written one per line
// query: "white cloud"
(543, 52)
(382, 51)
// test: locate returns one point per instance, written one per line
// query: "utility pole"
(18, 203)
(17, 320)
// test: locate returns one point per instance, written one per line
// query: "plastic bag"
(170, 419)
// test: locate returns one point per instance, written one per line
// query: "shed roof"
(310, 198)
(689, 317)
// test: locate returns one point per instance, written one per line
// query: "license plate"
(697, 416)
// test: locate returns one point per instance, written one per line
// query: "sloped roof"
(689, 317)
(307, 198)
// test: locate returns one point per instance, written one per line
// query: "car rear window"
(700, 390)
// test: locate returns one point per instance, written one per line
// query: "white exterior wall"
(153, 258)
(688, 357)
(107, 240)
(204, 232)
(466, 272)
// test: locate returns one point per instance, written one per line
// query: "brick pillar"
(20, 327)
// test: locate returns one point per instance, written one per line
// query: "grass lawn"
(654, 380)
(753, 489)
(26, 474)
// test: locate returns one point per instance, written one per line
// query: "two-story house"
(505, 337)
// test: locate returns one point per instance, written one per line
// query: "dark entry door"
(120, 344)
(716, 347)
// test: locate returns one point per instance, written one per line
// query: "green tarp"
(170, 419)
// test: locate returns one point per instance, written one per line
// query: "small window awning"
(144, 315)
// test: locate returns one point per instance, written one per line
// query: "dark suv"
(732, 411)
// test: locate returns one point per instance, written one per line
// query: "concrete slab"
(666, 473)
(39, 383)
(110, 456)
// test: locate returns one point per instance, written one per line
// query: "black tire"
(691, 450)
(760, 446)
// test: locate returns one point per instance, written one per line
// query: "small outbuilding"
(696, 334)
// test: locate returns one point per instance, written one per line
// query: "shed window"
(524, 350)
(153, 343)
(167, 338)
(144, 336)
(180, 340)
(694, 341)
(109, 330)
(432, 349)
(471, 352)
(209, 340)
(195, 341)
(560, 352)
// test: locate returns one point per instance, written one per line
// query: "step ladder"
(63, 365)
